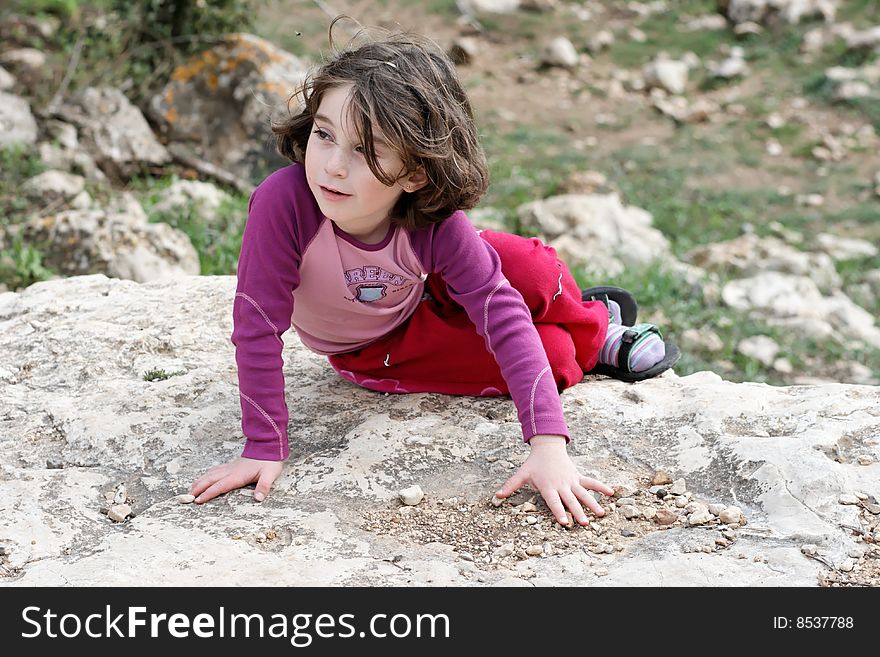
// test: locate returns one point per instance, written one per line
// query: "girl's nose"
(335, 165)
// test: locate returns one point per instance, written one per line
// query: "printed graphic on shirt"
(370, 283)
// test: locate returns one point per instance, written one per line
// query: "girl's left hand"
(551, 471)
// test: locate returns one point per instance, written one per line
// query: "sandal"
(629, 309)
(631, 337)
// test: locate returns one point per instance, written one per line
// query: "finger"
(592, 503)
(588, 501)
(513, 484)
(595, 484)
(211, 474)
(263, 486)
(551, 497)
(205, 481)
(218, 488)
(577, 511)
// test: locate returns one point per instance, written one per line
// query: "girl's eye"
(359, 149)
(322, 134)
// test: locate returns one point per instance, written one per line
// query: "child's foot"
(644, 351)
(634, 353)
(627, 308)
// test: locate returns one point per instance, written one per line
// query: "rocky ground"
(116, 395)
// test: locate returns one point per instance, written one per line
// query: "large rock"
(795, 302)
(766, 11)
(17, 125)
(749, 254)
(116, 241)
(595, 230)
(114, 131)
(222, 101)
(73, 353)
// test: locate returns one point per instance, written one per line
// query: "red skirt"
(439, 350)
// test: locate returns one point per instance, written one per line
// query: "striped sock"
(646, 352)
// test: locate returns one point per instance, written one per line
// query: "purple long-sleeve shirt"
(297, 269)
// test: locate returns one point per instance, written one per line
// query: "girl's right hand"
(235, 474)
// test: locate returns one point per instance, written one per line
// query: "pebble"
(412, 495)
(185, 499)
(665, 517)
(119, 512)
(119, 495)
(172, 467)
(247, 492)
(260, 536)
(534, 550)
(624, 501)
(872, 508)
(846, 565)
(707, 549)
(723, 542)
(601, 572)
(716, 509)
(527, 507)
(627, 532)
(649, 513)
(729, 534)
(732, 515)
(630, 511)
(466, 556)
(660, 477)
(809, 549)
(504, 551)
(531, 520)
(497, 501)
(659, 491)
(759, 558)
(694, 507)
(856, 553)
(699, 517)
(405, 510)
(865, 459)
(548, 549)
(2, 551)
(861, 496)
(848, 499)
(54, 464)
(679, 487)
(681, 501)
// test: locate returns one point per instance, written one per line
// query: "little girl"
(363, 247)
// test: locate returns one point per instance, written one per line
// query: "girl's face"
(338, 175)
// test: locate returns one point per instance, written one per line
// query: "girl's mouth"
(332, 195)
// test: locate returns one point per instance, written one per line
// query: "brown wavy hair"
(407, 87)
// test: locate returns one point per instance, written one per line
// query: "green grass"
(161, 375)
(217, 242)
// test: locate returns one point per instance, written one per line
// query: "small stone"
(660, 477)
(119, 512)
(729, 534)
(627, 532)
(681, 501)
(696, 507)
(679, 487)
(649, 513)
(120, 494)
(466, 556)
(721, 541)
(659, 491)
(172, 467)
(699, 517)
(624, 501)
(809, 549)
(716, 509)
(271, 535)
(548, 549)
(865, 459)
(260, 537)
(497, 501)
(759, 558)
(412, 495)
(534, 550)
(54, 464)
(862, 496)
(732, 515)
(531, 520)
(601, 572)
(504, 551)
(3, 552)
(185, 499)
(247, 492)
(848, 499)
(856, 553)
(707, 549)
(870, 507)
(527, 507)
(405, 510)
(846, 565)
(665, 517)
(630, 511)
